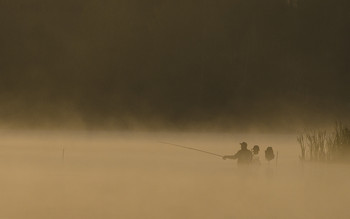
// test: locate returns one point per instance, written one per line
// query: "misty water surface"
(132, 175)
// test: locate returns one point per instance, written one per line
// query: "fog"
(89, 89)
(131, 175)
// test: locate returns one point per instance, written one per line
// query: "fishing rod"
(190, 148)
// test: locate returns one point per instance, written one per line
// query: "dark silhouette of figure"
(243, 156)
(269, 155)
(256, 158)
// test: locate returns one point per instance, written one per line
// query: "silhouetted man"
(243, 156)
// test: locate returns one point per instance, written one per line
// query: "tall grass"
(317, 145)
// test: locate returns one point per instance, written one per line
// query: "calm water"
(132, 175)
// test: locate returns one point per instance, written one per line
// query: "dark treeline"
(242, 61)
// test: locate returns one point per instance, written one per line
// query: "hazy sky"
(115, 63)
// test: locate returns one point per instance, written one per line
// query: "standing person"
(243, 156)
(256, 157)
(269, 155)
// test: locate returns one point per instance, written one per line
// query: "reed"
(317, 145)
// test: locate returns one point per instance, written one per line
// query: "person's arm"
(230, 156)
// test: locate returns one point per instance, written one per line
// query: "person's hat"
(256, 148)
(244, 144)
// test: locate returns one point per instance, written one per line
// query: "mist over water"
(132, 175)
(100, 84)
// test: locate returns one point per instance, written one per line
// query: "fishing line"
(190, 148)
